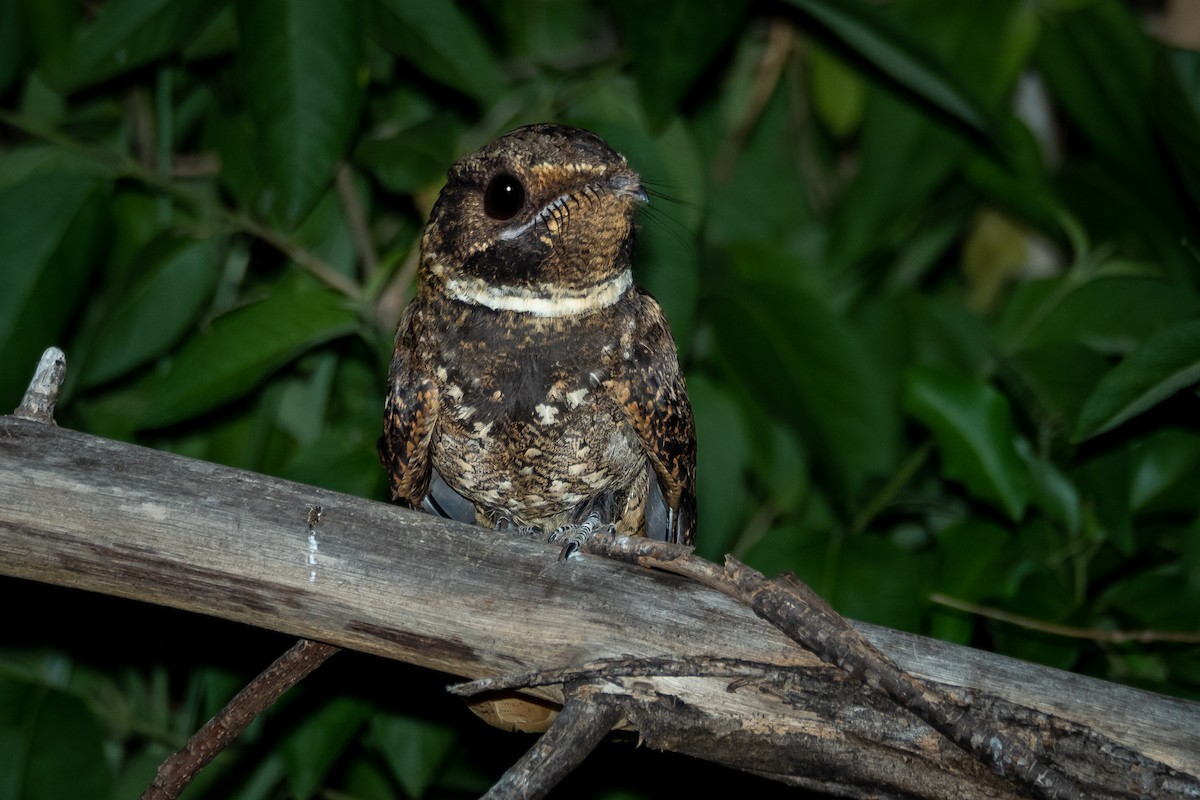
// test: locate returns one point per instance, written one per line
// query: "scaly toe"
(578, 534)
(506, 523)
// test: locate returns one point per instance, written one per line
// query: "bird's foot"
(503, 522)
(573, 536)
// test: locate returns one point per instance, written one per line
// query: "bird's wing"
(651, 391)
(409, 415)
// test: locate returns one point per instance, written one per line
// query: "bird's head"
(540, 220)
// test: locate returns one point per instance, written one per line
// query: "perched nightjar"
(533, 385)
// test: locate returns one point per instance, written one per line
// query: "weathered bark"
(81, 511)
(795, 609)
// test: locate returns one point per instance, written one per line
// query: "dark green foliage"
(935, 346)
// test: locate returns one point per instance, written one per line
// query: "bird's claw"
(573, 536)
(505, 523)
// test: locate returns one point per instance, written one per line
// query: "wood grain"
(81, 511)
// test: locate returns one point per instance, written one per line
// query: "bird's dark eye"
(504, 197)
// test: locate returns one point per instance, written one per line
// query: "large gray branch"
(81, 511)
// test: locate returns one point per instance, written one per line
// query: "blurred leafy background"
(932, 268)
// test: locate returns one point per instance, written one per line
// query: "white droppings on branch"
(314, 517)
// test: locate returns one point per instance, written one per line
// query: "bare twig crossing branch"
(81, 511)
(204, 745)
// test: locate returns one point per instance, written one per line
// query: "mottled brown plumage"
(529, 375)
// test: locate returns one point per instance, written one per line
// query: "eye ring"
(503, 197)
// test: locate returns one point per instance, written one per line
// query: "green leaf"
(664, 257)
(907, 155)
(974, 432)
(414, 158)
(126, 35)
(1108, 315)
(138, 770)
(231, 136)
(1168, 362)
(744, 208)
(33, 30)
(984, 45)
(838, 93)
(1017, 182)
(1056, 379)
(838, 567)
(1098, 62)
(909, 328)
(303, 79)
(723, 461)
(1041, 595)
(804, 550)
(1161, 598)
(673, 46)
(1175, 111)
(312, 748)
(342, 458)
(137, 221)
(896, 53)
(325, 231)
(1053, 492)
(217, 39)
(897, 578)
(1191, 554)
(542, 33)
(778, 464)
(808, 366)
(13, 41)
(1165, 466)
(242, 348)
(337, 449)
(51, 238)
(154, 314)
(263, 781)
(1104, 482)
(944, 333)
(904, 158)
(970, 555)
(414, 749)
(51, 746)
(439, 40)
(17, 707)
(46, 25)
(366, 779)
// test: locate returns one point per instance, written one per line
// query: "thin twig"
(142, 133)
(310, 261)
(240, 221)
(585, 719)
(125, 166)
(191, 166)
(356, 218)
(177, 771)
(1068, 631)
(391, 301)
(897, 481)
(779, 46)
(757, 527)
(796, 610)
(608, 669)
